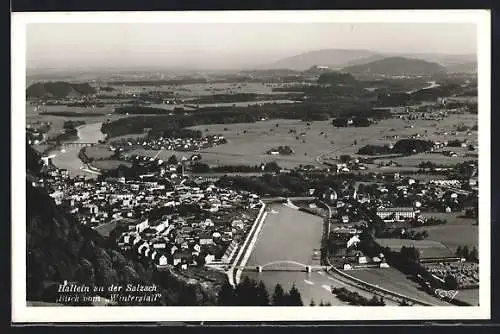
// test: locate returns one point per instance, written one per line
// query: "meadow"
(456, 232)
(427, 248)
(110, 164)
(394, 280)
(315, 142)
(199, 89)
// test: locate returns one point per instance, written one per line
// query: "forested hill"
(60, 249)
(334, 58)
(396, 66)
(59, 89)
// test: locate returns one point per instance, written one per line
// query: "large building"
(396, 214)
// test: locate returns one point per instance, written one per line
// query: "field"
(201, 89)
(470, 296)
(58, 121)
(248, 142)
(374, 135)
(110, 164)
(457, 232)
(98, 152)
(394, 280)
(427, 248)
(250, 147)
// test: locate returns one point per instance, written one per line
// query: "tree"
(321, 303)
(172, 160)
(226, 296)
(294, 298)
(199, 167)
(459, 251)
(450, 282)
(262, 295)
(278, 298)
(465, 252)
(473, 255)
(345, 158)
(312, 303)
(246, 293)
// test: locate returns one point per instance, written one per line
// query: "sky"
(229, 45)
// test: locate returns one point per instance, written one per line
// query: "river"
(432, 84)
(68, 159)
(292, 235)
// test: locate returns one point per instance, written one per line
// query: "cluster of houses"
(175, 144)
(400, 199)
(36, 132)
(176, 241)
(171, 224)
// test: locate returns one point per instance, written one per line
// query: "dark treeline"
(86, 104)
(374, 150)
(393, 85)
(251, 293)
(239, 97)
(236, 169)
(184, 81)
(402, 146)
(406, 260)
(228, 115)
(71, 113)
(407, 146)
(472, 255)
(284, 184)
(386, 98)
(160, 124)
(140, 110)
(226, 79)
(72, 124)
(270, 167)
(335, 78)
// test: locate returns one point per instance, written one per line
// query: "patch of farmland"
(427, 248)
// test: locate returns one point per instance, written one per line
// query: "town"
(305, 183)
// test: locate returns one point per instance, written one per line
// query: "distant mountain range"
(337, 59)
(468, 67)
(397, 66)
(334, 58)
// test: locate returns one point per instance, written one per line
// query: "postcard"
(250, 166)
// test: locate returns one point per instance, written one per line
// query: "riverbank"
(246, 247)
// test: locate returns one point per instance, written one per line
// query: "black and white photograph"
(233, 166)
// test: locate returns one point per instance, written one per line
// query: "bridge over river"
(284, 265)
(76, 144)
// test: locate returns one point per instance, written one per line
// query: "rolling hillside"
(469, 67)
(396, 66)
(334, 58)
(59, 89)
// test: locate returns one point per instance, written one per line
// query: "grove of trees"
(252, 293)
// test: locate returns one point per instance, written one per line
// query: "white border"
(22, 313)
